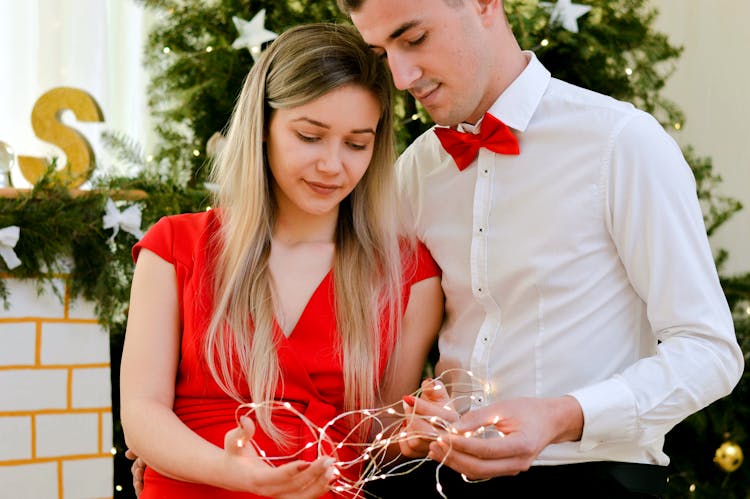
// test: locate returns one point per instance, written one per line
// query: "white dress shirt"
(579, 267)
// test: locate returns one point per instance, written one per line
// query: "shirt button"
(481, 229)
(485, 171)
(480, 399)
(485, 339)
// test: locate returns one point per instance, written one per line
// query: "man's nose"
(403, 70)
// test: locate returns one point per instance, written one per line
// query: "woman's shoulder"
(177, 237)
(190, 222)
(417, 261)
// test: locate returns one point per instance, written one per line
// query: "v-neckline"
(303, 314)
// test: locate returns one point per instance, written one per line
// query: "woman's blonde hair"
(302, 64)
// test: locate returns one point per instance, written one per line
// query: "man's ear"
(489, 10)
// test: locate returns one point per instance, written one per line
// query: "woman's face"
(319, 151)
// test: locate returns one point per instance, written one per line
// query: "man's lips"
(422, 94)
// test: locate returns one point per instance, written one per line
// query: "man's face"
(436, 51)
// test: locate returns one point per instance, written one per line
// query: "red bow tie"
(493, 134)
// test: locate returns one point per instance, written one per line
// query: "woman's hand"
(248, 472)
(419, 425)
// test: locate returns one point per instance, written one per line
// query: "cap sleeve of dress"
(159, 239)
(425, 266)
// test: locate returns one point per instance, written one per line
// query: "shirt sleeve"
(657, 227)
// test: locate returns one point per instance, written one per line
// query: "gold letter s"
(45, 120)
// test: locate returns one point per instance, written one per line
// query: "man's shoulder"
(570, 106)
(425, 146)
(574, 96)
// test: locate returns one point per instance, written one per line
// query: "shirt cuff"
(609, 413)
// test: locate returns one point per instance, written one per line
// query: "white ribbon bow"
(128, 220)
(8, 239)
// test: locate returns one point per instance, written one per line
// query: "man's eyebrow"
(401, 29)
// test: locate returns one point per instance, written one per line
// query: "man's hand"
(528, 426)
(137, 470)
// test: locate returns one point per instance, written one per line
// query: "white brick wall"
(74, 343)
(91, 388)
(17, 344)
(15, 438)
(33, 389)
(55, 397)
(67, 434)
(87, 478)
(26, 302)
(30, 481)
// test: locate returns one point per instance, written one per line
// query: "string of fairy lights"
(371, 459)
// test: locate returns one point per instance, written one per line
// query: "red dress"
(311, 370)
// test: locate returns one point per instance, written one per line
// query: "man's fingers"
(475, 419)
(478, 457)
(137, 470)
(415, 440)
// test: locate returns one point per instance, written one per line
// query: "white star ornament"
(252, 33)
(566, 13)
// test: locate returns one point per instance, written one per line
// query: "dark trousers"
(599, 480)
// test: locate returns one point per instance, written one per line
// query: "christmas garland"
(64, 232)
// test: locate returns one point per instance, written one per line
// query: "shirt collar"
(517, 104)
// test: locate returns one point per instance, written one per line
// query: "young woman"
(297, 287)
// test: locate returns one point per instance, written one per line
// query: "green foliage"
(194, 88)
(615, 36)
(195, 84)
(62, 233)
(693, 443)
(717, 208)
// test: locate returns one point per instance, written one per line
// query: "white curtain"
(94, 45)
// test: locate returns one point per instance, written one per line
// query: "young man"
(580, 287)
